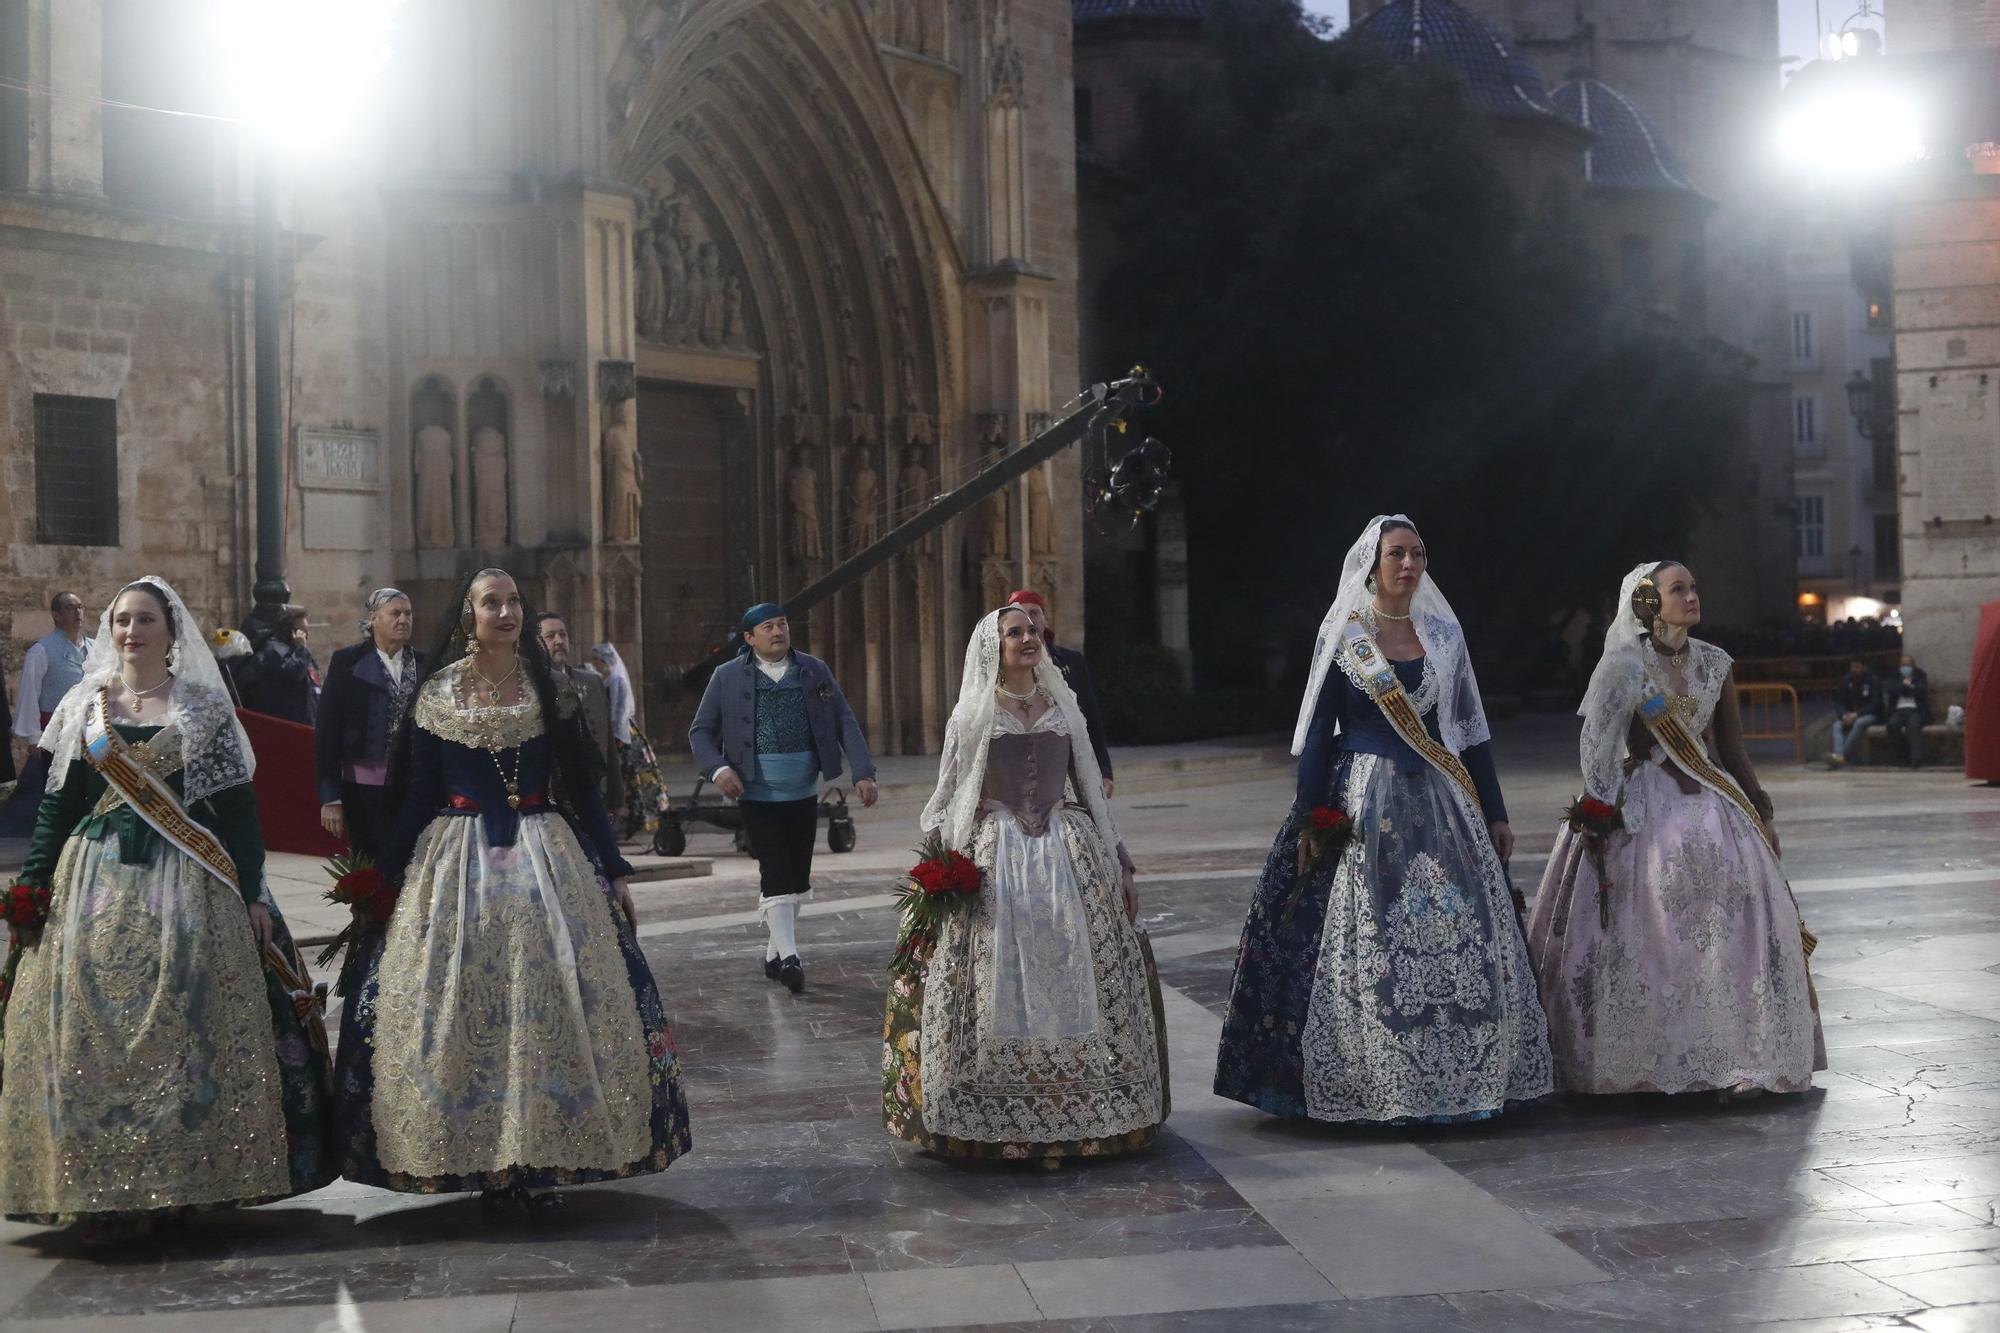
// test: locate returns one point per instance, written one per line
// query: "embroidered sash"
(154, 801)
(1691, 757)
(1379, 679)
(150, 798)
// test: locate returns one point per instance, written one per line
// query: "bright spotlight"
(1854, 130)
(1850, 44)
(298, 69)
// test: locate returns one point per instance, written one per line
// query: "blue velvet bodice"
(442, 769)
(1362, 729)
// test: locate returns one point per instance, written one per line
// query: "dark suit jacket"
(597, 723)
(355, 717)
(1894, 687)
(1070, 662)
(286, 682)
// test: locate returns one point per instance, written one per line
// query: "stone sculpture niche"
(686, 290)
(621, 475)
(486, 415)
(434, 470)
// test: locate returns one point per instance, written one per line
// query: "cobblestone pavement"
(1869, 1202)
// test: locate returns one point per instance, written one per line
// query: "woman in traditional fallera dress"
(1030, 1027)
(639, 768)
(1388, 983)
(1687, 971)
(502, 1032)
(163, 1048)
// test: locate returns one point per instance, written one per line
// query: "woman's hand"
(260, 925)
(621, 893)
(1689, 786)
(1128, 885)
(1771, 831)
(1503, 838)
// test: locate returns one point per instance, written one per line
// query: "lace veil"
(953, 808)
(215, 753)
(1461, 716)
(1615, 687)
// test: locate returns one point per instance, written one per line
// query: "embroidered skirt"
(1390, 985)
(503, 1029)
(1699, 982)
(151, 1062)
(1032, 1027)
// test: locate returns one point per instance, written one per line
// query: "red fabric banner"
(287, 787)
(1982, 700)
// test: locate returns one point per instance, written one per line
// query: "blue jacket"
(354, 719)
(725, 726)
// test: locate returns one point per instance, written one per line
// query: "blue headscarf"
(756, 616)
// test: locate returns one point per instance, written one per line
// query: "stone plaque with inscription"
(1958, 439)
(339, 459)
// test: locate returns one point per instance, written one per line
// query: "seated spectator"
(1907, 698)
(1857, 706)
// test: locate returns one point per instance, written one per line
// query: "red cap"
(1026, 596)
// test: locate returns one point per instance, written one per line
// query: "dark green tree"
(1352, 314)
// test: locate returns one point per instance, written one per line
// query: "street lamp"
(296, 69)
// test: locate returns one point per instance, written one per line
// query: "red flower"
(26, 906)
(1325, 818)
(1597, 811)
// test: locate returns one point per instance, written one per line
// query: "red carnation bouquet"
(944, 880)
(358, 884)
(25, 910)
(1326, 829)
(1597, 820)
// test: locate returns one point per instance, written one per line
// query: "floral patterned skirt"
(640, 769)
(151, 1062)
(1390, 985)
(1027, 1098)
(1699, 982)
(503, 1029)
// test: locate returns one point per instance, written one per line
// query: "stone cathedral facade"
(664, 305)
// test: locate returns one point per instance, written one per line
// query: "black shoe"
(793, 975)
(771, 969)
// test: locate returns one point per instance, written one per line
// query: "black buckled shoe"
(772, 967)
(793, 974)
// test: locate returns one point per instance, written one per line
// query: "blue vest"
(64, 670)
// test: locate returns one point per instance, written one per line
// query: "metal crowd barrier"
(1771, 713)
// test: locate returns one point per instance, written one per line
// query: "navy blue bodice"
(441, 770)
(1363, 730)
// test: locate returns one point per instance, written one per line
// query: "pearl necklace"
(1386, 615)
(138, 693)
(1033, 690)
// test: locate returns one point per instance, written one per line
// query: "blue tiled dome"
(1629, 150)
(1498, 81)
(1083, 11)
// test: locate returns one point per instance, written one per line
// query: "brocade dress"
(151, 1061)
(1389, 984)
(1699, 983)
(503, 1031)
(1033, 1026)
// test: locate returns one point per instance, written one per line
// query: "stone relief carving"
(864, 498)
(489, 488)
(914, 489)
(621, 476)
(803, 539)
(686, 293)
(436, 528)
(998, 537)
(1041, 514)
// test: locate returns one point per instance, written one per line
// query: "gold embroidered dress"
(150, 1061)
(505, 1030)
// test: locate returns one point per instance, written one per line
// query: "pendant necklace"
(512, 784)
(493, 687)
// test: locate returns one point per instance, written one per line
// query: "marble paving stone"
(1416, 1314)
(1155, 1283)
(485, 1314)
(1928, 1230)
(792, 1304)
(950, 1297)
(1959, 1279)
(1954, 1177)
(1982, 1318)
(1699, 1300)
(1426, 1243)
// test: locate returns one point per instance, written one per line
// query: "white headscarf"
(954, 805)
(215, 752)
(618, 684)
(1616, 684)
(1461, 716)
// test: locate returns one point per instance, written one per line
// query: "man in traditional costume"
(771, 726)
(367, 687)
(595, 699)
